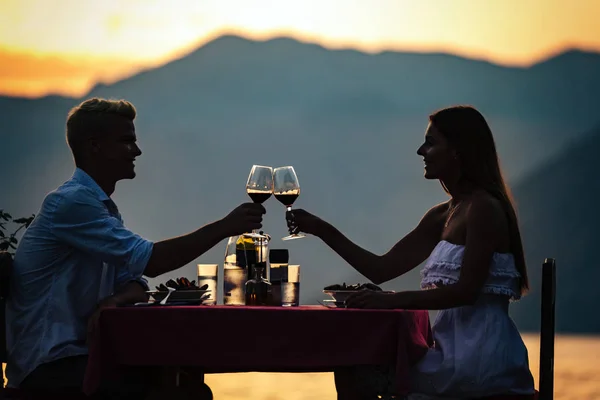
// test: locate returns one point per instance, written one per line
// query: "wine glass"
(286, 189)
(259, 187)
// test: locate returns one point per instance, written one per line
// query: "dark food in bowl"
(180, 284)
(356, 286)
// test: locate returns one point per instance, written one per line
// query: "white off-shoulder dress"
(478, 350)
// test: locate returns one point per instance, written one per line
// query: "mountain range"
(559, 219)
(350, 123)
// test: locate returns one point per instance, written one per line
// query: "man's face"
(115, 151)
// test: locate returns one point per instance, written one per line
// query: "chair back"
(6, 261)
(547, 330)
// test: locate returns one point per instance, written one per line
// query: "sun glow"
(104, 41)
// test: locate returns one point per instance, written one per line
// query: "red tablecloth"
(264, 339)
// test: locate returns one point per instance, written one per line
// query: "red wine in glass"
(286, 189)
(287, 199)
(258, 196)
(259, 187)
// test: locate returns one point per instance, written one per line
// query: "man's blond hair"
(95, 117)
(104, 106)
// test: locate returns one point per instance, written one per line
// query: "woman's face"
(440, 158)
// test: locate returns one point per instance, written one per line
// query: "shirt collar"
(84, 179)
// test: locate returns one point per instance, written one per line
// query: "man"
(77, 257)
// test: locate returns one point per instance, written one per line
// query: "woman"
(475, 266)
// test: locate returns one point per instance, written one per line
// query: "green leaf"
(29, 220)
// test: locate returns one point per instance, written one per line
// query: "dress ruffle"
(444, 263)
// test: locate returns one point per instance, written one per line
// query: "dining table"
(226, 339)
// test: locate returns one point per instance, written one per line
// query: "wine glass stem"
(289, 208)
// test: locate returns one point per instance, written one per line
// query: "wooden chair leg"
(547, 330)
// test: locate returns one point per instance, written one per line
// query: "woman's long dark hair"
(470, 135)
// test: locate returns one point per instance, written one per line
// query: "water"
(290, 294)
(211, 281)
(234, 281)
(577, 368)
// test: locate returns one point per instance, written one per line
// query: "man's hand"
(131, 292)
(301, 220)
(243, 219)
(110, 301)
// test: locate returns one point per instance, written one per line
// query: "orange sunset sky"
(66, 46)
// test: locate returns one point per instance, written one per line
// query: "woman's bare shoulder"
(483, 206)
(437, 213)
(482, 200)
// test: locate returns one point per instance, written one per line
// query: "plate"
(332, 304)
(180, 295)
(339, 295)
(169, 303)
(342, 295)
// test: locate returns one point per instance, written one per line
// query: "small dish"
(339, 295)
(332, 304)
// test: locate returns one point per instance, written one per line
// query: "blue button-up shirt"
(76, 252)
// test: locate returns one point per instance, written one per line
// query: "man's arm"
(170, 254)
(129, 293)
(84, 223)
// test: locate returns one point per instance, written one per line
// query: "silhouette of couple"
(77, 257)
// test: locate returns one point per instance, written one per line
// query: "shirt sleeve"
(83, 221)
(124, 277)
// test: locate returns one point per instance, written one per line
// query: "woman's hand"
(301, 220)
(371, 299)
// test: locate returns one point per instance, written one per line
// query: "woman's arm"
(485, 221)
(409, 252)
